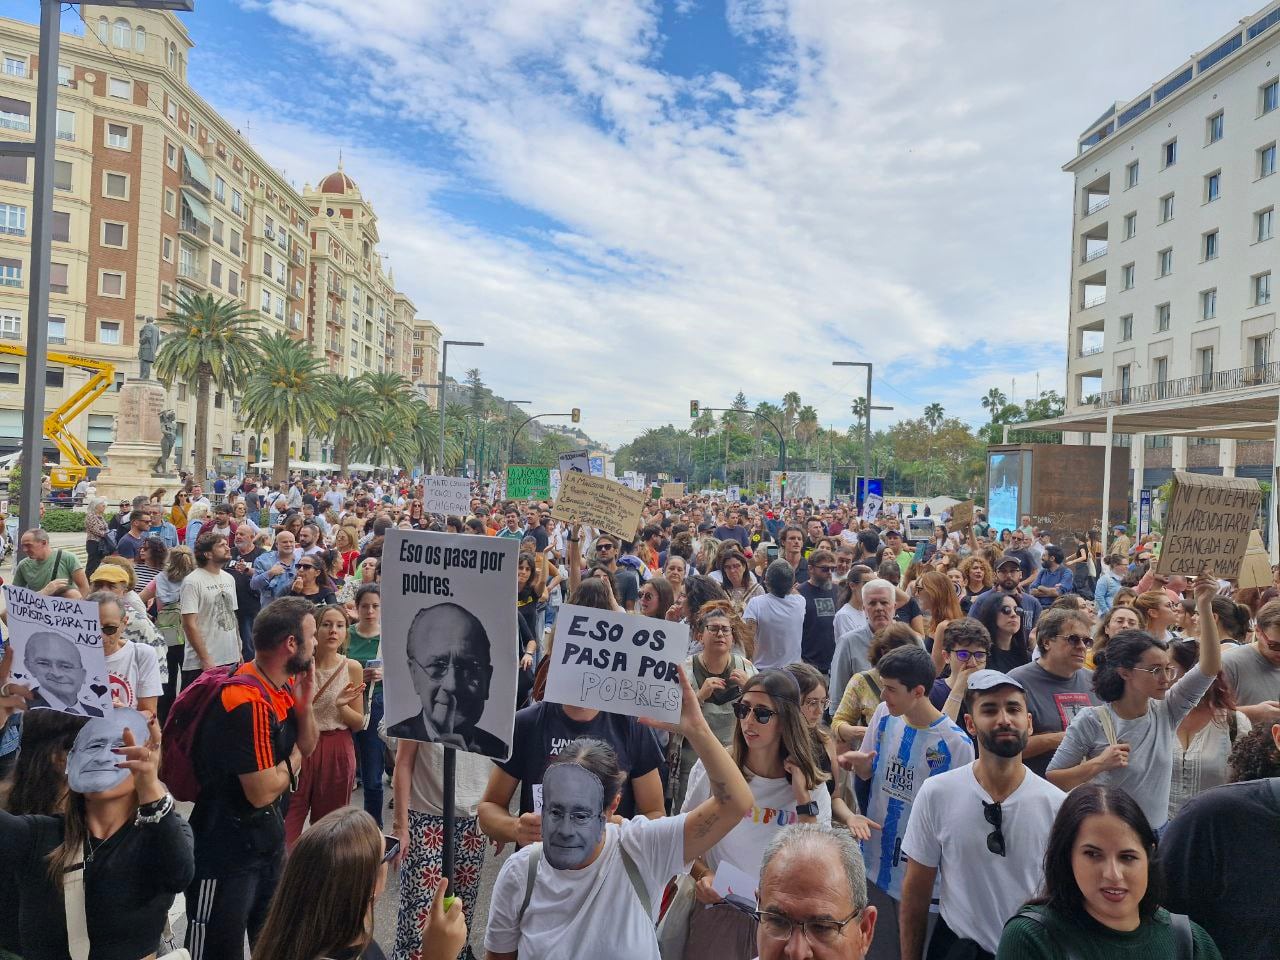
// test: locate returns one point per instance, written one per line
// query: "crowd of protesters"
(981, 743)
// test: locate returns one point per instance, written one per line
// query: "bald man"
(56, 666)
(448, 652)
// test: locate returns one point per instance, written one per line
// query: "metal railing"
(1095, 254)
(193, 227)
(1184, 387)
(1093, 301)
(1097, 205)
(1090, 351)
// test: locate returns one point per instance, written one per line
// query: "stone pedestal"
(130, 468)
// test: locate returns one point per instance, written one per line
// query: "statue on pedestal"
(148, 347)
(169, 427)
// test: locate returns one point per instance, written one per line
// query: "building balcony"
(1091, 351)
(191, 183)
(1095, 300)
(1089, 255)
(295, 292)
(193, 229)
(192, 274)
(1188, 387)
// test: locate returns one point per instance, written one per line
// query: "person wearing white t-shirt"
(592, 887)
(208, 606)
(978, 834)
(132, 668)
(778, 617)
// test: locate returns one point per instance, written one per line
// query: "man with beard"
(249, 748)
(1008, 580)
(977, 834)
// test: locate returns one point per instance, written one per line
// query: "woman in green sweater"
(1102, 890)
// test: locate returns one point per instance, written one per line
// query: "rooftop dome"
(338, 182)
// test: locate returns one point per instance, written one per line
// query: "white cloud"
(892, 192)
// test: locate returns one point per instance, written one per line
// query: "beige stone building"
(156, 193)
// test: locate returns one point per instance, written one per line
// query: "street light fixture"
(41, 149)
(574, 415)
(866, 426)
(444, 380)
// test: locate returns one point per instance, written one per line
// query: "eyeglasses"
(762, 714)
(1076, 640)
(994, 816)
(604, 546)
(470, 672)
(1168, 673)
(964, 656)
(110, 628)
(820, 703)
(720, 629)
(778, 926)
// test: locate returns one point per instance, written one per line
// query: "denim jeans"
(369, 758)
(246, 634)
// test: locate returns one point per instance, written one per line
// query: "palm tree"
(354, 418)
(994, 401)
(209, 343)
(806, 424)
(425, 427)
(933, 415)
(859, 410)
(790, 406)
(287, 386)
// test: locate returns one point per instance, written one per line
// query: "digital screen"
(1004, 475)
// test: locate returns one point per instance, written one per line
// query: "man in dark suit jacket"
(77, 707)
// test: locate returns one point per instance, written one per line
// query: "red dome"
(338, 182)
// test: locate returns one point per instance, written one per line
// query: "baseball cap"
(110, 573)
(990, 679)
(1007, 559)
(1118, 528)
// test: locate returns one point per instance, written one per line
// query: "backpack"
(182, 727)
(628, 864)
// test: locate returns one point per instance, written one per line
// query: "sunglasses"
(307, 566)
(1076, 640)
(1010, 611)
(964, 656)
(605, 546)
(110, 628)
(762, 714)
(390, 847)
(994, 816)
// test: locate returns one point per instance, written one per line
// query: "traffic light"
(575, 415)
(693, 409)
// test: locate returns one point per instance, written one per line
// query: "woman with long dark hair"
(1010, 638)
(1102, 890)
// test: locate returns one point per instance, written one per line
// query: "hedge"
(63, 521)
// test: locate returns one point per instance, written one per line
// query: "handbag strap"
(73, 900)
(342, 668)
(1028, 914)
(1182, 936)
(1103, 713)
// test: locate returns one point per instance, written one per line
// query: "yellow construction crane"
(76, 455)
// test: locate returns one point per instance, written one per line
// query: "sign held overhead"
(601, 503)
(1208, 524)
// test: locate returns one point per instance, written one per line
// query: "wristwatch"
(809, 809)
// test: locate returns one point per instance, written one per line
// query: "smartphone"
(390, 847)
(771, 551)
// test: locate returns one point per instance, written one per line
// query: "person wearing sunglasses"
(133, 668)
(774, 750)
(1006, 621)
(1128, 740)
(977, 835)
(312, 581)
(1058, 685)
(967, 646)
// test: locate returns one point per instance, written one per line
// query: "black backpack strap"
(1182, 937)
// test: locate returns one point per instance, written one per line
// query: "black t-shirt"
(543, 730)
(627, 584)
(539, 534)
(818, 645)
(527, 608)
(247, 600)
(908, 612)
(241, 733)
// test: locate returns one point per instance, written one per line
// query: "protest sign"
(553, 484)
(599, 503)
(1255, 571)
(449, 639)
(528, 483)
(1208, 524)
(57, 652)
(736, 885)
(446, 495)
(733, 494)
(617, 662)
(961, 515)
(576, 461)
(672, 491)
(596, 466)
(871, 507)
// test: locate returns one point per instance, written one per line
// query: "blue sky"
(638, 203)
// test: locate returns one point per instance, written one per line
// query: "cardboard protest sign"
(871, 507)
(617, 662)
(528, 483)
(1255, 571)
(672, 491)
(57, 652)
(450, 639)
(961, 515)
(446, 495)
(1207, 526)
(575, 461)
(599, 503)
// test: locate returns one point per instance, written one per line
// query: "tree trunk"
(203, 380)
(280, 456)
(344, 458)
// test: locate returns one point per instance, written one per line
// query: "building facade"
(155, 193)
(1173, 249)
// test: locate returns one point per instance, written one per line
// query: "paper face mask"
(572, 815)
(91, 764)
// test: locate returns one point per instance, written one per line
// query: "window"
(1212, 186)
(234, 245)
(102, 428)
(1126, 327)
(13, 219)
(123, 89)
(1204, 360)
(15, 114)
(187, 262)
(1263, 221)
(1267, 160)
(1260, 350)
(111, 284)
(65, 75)
(237, 203)
(1162, 317)
(62, 174)
(10, 326)
(266, 264)
(182, 393)
(171, 156)
(1215, 127)
(218, 226)
(279, 311)
(1209, 304)
(108, 331)
(1160, 370)
(1126, 277)
(167, 248)
(112, 234)
(58, 278)
(192, 129)
(140, 39)
(1130, 226)
(1211, 245)
(53, 377)
(1165, 260)
(173, 111)
(66, 125)
(217, 399)
(280, 271)
(266, 301)
(9, 372)
(57, 329)
(215, 273)
(170, 202)
(121, 34)
(10, 272)
(233, 283)
(1270, 96)
(13, 169)
(1166, 208)
(1262, 289)
(118, 135)
(15, 66)
(116, 186)
(219, 189)
(1131, 175)
(1171, 152)
(61, 230)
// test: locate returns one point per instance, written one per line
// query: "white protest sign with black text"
(446, 495)
(617, 662)
(450, 639)
(871, 507)
(57, 652)
(576, 461)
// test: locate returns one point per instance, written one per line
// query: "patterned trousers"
(420, 872)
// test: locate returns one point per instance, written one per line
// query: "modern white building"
(1174, 246)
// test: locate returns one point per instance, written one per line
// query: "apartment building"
(425, 356)
(1172, 319)
(156, 193)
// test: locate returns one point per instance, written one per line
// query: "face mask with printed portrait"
(572, 815)
(92, 764)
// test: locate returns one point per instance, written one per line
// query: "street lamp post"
(537, 416)
(42, 151)
(444, 380)
(866, 426)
